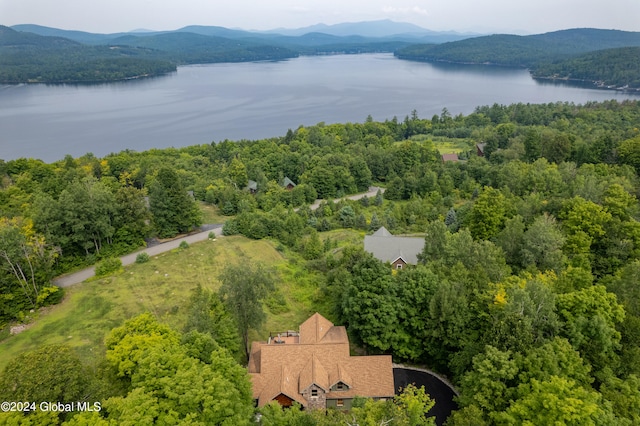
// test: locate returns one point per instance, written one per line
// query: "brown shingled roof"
(285, 383)
(314, 329)
(322, 358)
(341, 375)
(313, 374)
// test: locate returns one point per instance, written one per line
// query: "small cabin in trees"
(314, 368)
(287, 184)
(399, 251)
(450, 158)
(480, 149)
(252, 186)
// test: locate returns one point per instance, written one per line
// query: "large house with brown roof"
(314, 368)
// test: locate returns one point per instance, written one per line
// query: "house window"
(340, 403)
(314, 393)
(340, 386)
(399, 266)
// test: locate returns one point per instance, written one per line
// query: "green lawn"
(212, 214)
(162, 286)
(452, 146)
(444, 145)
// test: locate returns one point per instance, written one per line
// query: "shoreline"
(596, 84)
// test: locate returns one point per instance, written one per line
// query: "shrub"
(49, 296)
(108, 266)
(184, 245)
(276, 303)
(142, 257)
(230, 227)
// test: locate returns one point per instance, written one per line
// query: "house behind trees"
(399, 251)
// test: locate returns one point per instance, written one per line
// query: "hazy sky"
(523, 16)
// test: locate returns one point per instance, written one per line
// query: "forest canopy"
(526, 290)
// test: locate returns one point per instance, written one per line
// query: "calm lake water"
(205, 103)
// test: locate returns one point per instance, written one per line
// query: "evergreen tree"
(174, 210)
(379, 199)
(451, 220)
(375, 223)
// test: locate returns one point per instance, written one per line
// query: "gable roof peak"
(314, 373)
(382, 232)
(314, 329)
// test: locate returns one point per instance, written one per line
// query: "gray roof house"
(287, 183)
(252, 186)
(398, 251)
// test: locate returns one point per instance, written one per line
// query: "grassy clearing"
(343, 236)
(444, 145)
(162, 286)
(455, 146)
(212, 214)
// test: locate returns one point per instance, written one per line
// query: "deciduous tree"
(243, 289)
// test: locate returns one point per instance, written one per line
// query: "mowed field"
(163, 287)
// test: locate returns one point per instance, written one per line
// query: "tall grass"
(161, 286)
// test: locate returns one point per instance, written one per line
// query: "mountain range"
(33, 53)
(383, 29)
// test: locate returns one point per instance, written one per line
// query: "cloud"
(415, 10)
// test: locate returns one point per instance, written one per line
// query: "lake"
(204, 103)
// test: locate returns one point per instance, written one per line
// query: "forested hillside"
(188, 48)
(26, 57)
(562, 54)
(612, 67)
(29, 58)
(525, 296)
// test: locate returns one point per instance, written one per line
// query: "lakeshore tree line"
(527, 288)
(608, 58)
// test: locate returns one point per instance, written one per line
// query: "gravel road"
(78, 277)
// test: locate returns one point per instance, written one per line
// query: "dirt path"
(78, 277)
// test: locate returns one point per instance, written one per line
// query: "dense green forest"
(612, 67)
(26, 57)
(526, 294)
(188, 48)
(603, 56)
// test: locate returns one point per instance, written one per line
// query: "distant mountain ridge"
(369, 29)
(381, 28)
